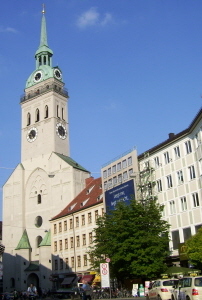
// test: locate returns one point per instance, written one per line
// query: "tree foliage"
(135, 238)
(194, 249)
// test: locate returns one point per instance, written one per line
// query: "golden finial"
(43, 10)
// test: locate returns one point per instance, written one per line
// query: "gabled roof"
(174, 137)
(91, 195)
(71, 162)
(46, 240)
(24, 242)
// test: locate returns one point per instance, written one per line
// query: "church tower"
(44, 106)
(45, 181)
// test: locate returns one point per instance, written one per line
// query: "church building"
(45, 180)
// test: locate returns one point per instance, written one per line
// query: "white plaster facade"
(177, 171)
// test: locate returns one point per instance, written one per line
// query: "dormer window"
(89, 190)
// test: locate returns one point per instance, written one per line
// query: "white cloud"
(8, 29)
(92, 17)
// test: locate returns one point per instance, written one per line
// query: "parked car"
(188, 288)
(162, 289)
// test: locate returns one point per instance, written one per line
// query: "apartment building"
(72, 235)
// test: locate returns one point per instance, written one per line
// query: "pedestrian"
(86, 290)
(32, 291)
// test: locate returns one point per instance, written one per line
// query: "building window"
(169, 181)
(72, 242)
(114, 169)
(55, 246)
(61, 263)
(119, 166)
(39, 199)
(105, 174)
(110, 183)
(78, 261)
(159, 185)
(177, 152)
(90, 237)
(105, 185)
(83, 220)
(57, 111)
(109, 172)
(66, 243)
(180, 177)
(166, 157)
(28, 119)
(38, 241)
(84, 239)
(77, 221)
(89, 218)
(71, 223)
(195, 199)
(156, 161)
(114, 180)
(60, 244)
(55, 228)
(85, 260)
(60, 227)
(129, 160)
(72, 261)
(37, 117)
(96, 215)
(120, 178)
(56, 264)
(183, 203)
(124, 164)
(78, 241)
(172, 207)
(197, 227)
(65, 225)
(62, 113)
(188, 147)
(130, 171)
(46, 112)
(192, 174)
(125, 175)
(175, 239)
(186, 233)
(66, 263)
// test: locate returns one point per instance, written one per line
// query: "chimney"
(171, 135)
(88, 180)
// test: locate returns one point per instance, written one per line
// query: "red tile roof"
(91, 195)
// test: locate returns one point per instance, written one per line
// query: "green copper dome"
(43, 56)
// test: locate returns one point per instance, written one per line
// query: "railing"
(47, 89)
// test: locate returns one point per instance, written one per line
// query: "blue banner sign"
(123, 192)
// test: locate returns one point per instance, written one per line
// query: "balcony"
(41, 91)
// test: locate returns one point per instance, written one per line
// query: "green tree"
(194, 249)
(135, 238)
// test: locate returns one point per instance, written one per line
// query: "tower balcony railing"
(47, 89)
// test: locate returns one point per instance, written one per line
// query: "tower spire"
(44, 54)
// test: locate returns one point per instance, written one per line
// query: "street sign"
(104, 272)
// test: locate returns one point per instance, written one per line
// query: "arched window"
(37, 118)
(28, 119)
(38, 241)
(46, 111)
(62, 113)
(44, 60)
(57, 111)
(39, 199)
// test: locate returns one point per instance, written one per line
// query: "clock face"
(61, 131)
(38, 76)
(58, 74)
(32, 134)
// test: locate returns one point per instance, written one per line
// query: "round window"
(38, 221)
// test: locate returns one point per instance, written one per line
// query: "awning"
(88, 277)
(68, 280)
(33, 266)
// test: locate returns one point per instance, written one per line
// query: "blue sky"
(133, 70)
